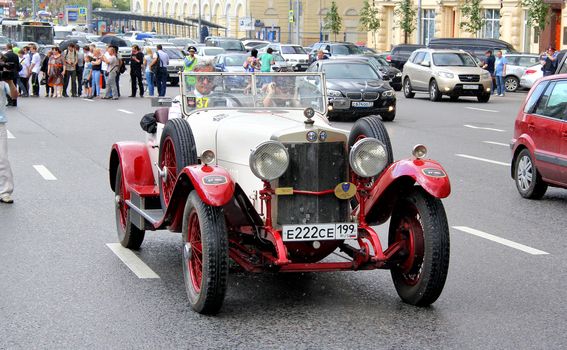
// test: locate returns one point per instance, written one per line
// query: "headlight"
(399, 74)
(334, 93)
(446, 75)
(269, 160)
(486, 75)
(388, 93)
(368, 157)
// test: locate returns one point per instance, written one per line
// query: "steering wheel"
(229, 96)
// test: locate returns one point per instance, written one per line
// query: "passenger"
(281, 93)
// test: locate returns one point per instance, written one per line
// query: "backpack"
(121, 66)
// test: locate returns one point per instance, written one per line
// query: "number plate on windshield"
(319, 232)
(362, 104)
(470, 87)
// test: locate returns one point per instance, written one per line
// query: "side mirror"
(426, 64)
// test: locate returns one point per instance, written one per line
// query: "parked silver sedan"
(516, 67)
(531, 75)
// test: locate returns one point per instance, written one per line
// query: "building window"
(491, 27)
(428, 25)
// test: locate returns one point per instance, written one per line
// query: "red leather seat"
(162, 115)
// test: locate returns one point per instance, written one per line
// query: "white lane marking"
(10, 135)
(88, 100)
(44, 172)
(131, 260)
(482, 109)
(483, 128)
(125, 111)
(497, 143)
(482, 159)
(500, 240)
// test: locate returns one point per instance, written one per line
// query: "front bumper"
(343, 105)
(456, 87)
(299, 66)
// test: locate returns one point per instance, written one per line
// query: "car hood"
(357, 85)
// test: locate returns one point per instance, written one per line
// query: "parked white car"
(295, 55)
(206, 54)
(531, 75)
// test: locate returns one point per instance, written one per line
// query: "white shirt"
(25, 62)
(104, 65)
(36, 61)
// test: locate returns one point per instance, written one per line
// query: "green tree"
(538, 13)
(121, 5)
(472, 17)
(333, 21)
(369, 18)
(405, 13)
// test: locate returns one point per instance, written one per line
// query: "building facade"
(276, 20)
(504, 19)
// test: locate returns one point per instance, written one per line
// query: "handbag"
(43, 81)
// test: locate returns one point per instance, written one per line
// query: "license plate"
(320, 232)
(362, 104)
(470, 87)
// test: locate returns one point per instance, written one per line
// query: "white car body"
(531, 75)
(206, 54)
(298, 61)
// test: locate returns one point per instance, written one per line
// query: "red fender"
(428, 174)
(212, 183)
(134, 160)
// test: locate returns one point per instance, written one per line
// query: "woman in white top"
(149, 56)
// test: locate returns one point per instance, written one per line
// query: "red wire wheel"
(205, 255)
(129, 235)
(420, 223)
(177, 150)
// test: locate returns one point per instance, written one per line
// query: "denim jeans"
(150, 81)
(500, 88)
(161, 80)
(96, 82)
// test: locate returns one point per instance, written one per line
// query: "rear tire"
(434, 93)
(407, 89)
(511, 83)
(420, 220)
(176, 150)
(205, 255)
(528, 180)
(129, 235)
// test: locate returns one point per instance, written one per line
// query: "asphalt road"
(61, 286)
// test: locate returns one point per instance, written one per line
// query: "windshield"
(349, 71)
(182, 41)
(235, 60)
(4, 40)
(213, 51)
(231, 45)
(380, 61)
(39, 34)
(62, 34)
(453, 59)
(345, 50)
(211, 90)
(173, 53)
(277, 57)
(293, 50)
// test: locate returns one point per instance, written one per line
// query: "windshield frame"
(255, 76)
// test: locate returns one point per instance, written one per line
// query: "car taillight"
(530, 71)
(389, 58)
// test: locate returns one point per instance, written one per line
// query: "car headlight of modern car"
(334, 93)
(269, 160)
(399, 74)
(368, 157)
(388, 93)
(486, 75)
(447, 75)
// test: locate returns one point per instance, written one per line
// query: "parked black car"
(389, 73)
(355, 88)
(400, 54)
(476, 47)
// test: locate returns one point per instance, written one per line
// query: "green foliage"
(121, 5)
(405, 13)
(333, 21)
(369, 18)
(472, 16)
(538, 13)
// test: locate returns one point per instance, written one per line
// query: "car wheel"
(434, 94)
(205, 255)
(176, 150)
(484, 98)
(419, 222)
(528, 180)
(129, 235)
(388, 116)
(397, 87)
(511, 83)
(407, 89)
(371, 126)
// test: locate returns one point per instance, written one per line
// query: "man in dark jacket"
(136, 70)
(489, 66)
(13, 59)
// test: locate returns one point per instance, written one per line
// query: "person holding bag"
(112, 71)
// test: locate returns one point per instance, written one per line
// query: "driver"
(204, 92)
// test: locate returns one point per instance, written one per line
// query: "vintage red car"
(247, 167)
(539, 146)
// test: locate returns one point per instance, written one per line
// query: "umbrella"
(113, 40)
(65, 43)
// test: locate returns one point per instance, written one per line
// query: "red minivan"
(539, 146)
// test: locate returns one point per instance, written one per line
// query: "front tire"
(419, 219)
(129, 235)
(388, 116)
(528, 180)
(434, 93)
(407, 89)
(484, 98)
(371, 126)
(176, 150)
(205, 255)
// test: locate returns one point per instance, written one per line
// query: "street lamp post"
(199, 27)
(90, 16)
